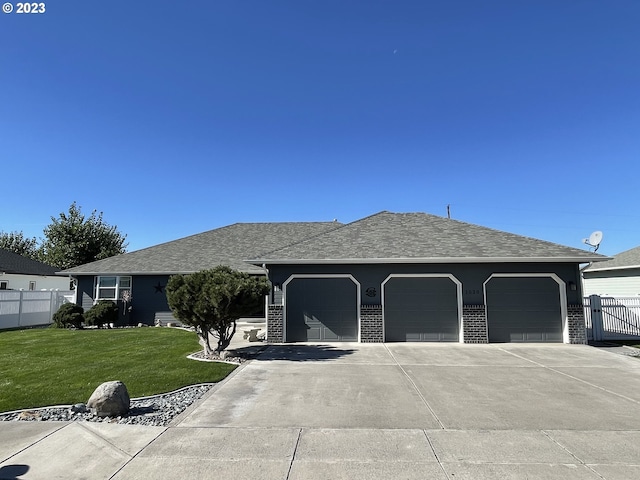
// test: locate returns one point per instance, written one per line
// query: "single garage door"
(523, 310)
(321, 310)
(421, 309)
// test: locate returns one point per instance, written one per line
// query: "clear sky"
(177, 117)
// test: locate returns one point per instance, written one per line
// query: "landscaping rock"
(111, 399)
(79, 408)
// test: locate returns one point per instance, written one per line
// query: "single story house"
(389, 277)
(143, 274)
(396, 277)
(21, 273)
(617, 277)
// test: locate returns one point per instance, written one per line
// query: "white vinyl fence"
(612, 318)
(22, 308)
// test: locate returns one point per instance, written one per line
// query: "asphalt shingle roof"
(229, 246)
(419, 237)
(11, 262)
(626, 259)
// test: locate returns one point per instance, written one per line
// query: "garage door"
(321, 310)
(421, 309)
(523, 310)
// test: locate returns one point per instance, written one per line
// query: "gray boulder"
(111, 399)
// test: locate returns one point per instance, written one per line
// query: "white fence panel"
(612, 318)
(30, 308)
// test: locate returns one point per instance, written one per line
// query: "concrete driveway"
(402, 411)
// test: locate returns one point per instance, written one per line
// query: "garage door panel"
(421, 309)
(523, 310)
(321, 309)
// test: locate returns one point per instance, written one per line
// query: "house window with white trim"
(32, 285)
(4, 285)
(112, 287)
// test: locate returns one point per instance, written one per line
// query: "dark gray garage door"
(321, 309)
(421, 309)
(523, 310)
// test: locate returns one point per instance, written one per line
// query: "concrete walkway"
(351, 411)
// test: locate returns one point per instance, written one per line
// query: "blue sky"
(174, 118)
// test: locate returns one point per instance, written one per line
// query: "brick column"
(371, 324)
(474, 324)
(576, 324)
(274, 324)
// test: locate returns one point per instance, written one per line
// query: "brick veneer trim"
(371, 327)
(576, 324)
(474, 324)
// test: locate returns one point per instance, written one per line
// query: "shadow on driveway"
(293, 353)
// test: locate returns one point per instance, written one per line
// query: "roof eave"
(119, 272)
(323, 261)
(606, 269)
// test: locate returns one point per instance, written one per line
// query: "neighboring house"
(398, 277)
(618, 277)
(22, 273)
(144, 273)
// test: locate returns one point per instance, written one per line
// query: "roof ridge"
(338, 226)
(341, 225)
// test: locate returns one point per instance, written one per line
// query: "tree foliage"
(16, 242)
(103, 313)
(68, 315)
(212, 301)
(73, 239)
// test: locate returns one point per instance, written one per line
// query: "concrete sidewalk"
(349, 411)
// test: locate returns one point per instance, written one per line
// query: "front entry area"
(421, 309)
(523, 309)
(321, 310)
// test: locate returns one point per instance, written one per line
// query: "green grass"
(42, 367)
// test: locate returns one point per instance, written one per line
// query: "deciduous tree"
(16, 242)
(73, 239)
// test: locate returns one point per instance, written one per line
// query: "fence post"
(20, 309)
(53, 304)
(596, 318)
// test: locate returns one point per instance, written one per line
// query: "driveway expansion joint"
(415, 387)
(546, 434)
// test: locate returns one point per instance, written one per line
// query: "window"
(4, 285)
(32, 285)
(112, 288)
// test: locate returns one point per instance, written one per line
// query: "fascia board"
(315, 261)
(606, 269)
(104, 273)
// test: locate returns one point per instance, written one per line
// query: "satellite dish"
(594, 240)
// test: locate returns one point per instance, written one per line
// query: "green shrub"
(68, 315)
(102, 313)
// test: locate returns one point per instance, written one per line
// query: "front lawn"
(42, 367)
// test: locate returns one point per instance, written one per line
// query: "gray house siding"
(473, 277)
(148, 297)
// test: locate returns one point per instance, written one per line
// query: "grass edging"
(44, 367)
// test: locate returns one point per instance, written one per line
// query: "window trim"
(119, 290)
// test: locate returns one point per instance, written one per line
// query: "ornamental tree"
(212, 301)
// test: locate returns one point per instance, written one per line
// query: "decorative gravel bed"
(157, 411)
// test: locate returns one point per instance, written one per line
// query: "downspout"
(266, 306)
